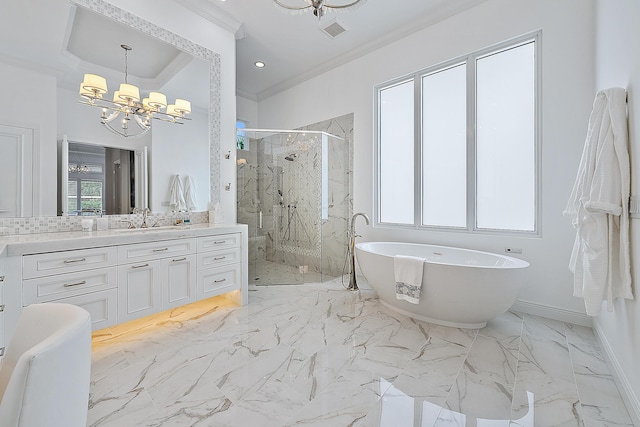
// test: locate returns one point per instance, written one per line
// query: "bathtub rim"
(516, 263)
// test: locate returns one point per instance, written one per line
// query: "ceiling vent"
(333, 28)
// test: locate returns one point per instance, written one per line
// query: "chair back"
(45, 374)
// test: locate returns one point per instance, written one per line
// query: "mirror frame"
(119, 15)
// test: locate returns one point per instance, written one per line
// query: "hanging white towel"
(599, 207)
(176, 194)
(190, 193)
(408, 275)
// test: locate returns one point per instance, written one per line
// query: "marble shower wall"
(294, 232)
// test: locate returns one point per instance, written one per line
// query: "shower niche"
(293, 193)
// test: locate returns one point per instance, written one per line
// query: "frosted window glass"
(505, 150)
(444, 148)
(396, 141)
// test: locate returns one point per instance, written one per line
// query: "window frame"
(470, 62)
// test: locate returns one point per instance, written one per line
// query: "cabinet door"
(178, 281)
(101, 305)
(139, 290)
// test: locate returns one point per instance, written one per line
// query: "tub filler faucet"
(353, 286)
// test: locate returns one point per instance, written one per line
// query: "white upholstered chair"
(45, 374)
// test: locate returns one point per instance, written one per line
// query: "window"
(457, 144)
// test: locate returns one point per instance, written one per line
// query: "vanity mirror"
(56, 42)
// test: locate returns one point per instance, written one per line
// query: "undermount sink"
(151, 229)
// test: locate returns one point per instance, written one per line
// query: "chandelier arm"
(286, 6)
(342, 6)
(126, 134)
(111, 117)
(140, 123)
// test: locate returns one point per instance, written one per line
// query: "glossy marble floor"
(317, 355)
(264, 273)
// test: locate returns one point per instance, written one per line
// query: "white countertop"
(23, 244)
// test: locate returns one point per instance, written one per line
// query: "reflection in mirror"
(102, 180)
(52, 47)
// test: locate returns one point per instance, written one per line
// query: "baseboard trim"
(628, 395)
(554, 313)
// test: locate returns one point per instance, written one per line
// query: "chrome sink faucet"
(145, 214)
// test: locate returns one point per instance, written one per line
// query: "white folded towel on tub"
(408, 274)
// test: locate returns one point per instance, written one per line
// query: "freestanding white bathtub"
(462, 288)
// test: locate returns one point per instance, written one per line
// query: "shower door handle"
(260, 219)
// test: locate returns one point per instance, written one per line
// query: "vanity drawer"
(102, 307)
(221, 241)
(155, 250)
(52, 288)
(218, 258)
(67, 262)
(216, 281)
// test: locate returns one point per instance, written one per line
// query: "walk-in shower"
(293, 192)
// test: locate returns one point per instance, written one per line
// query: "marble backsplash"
(56, 224)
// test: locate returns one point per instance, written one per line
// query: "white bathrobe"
(599, 207)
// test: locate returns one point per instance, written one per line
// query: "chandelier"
(319, 6)
(127, 106)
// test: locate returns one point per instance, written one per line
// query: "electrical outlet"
(303, 269)
(513, 250)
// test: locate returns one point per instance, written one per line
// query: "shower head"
(291, 157)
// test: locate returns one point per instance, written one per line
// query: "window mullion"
(417, 157)
(471, 143)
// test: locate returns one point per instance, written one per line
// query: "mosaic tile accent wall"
(57, 224)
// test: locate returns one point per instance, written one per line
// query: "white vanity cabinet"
(219, 265)
(119, 276)
(162, 276)
(84, 277)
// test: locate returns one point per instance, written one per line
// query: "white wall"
(618, 65)
(172, 16)
(176, 149)
(17, 83)
(567, 86)
(247, 111)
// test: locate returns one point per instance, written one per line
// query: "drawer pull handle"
(1, 308)
(219, 280)
(68, 285)
(219, 242)
(179, 259)
(161, 250)
(218, 258)
(1, 351)
(1, 279)
(71, 261)
(140, 266)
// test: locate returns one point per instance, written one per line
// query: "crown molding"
(215, 15)
(247, 95)
(439, 14)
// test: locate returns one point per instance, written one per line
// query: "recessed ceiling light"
(259, 64)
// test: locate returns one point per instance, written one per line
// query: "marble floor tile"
(318, 355)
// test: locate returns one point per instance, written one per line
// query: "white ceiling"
(56, 37)
(68, 40)
(295, 49)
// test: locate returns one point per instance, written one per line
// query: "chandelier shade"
(127, 106)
